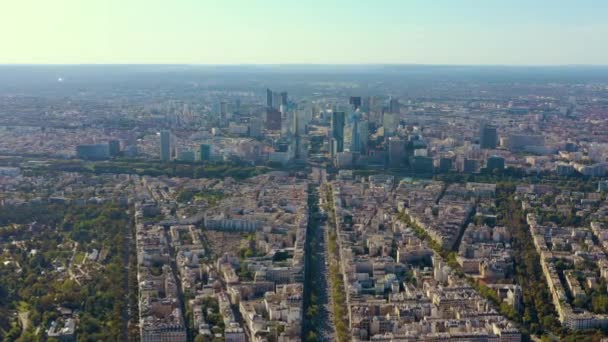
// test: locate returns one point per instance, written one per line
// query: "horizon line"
(312, 64)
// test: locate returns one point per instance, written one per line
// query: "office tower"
(223, 111)
(114, 147)
(300, 123)
(333, 147)
(204, 152)
(237, 105)
(287, 125)
(306, 116)
(495, 163)
(295, 123)
(390, 121)
(302, 153)
(187, 156)
(470, 165)
(165, 145)
(273, 119)
(284, 98)
(393, 106)
(276, 100)
(445, 164)
(355, 137)
(355, 102)
(268, 98)
(488, 137)
(363, 135)
(517, 142)
(344, 160)
(337, 129)
(366, 104)
(422, 164)
(130, 150)
(396, 151)
(570, 147)
(255, 127)
(93, 151)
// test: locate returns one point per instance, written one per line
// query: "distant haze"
(496, 32)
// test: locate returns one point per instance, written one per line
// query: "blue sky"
(514, 32)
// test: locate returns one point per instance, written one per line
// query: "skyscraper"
(333, 147)
(284, 98)
(396, 151)
(204, 152)
(255, 127)
(355, 102)
(114, 147)
(394, 106)
(495, 163)
(363, 135)
(488, 136)
(273, 119)
(366, 104)
(165, 145)
(276, 100)
(223, 111)
(355, 139)
(337, 130)
(268, 98)
(93, 151)
(390, 121)
(295, 123)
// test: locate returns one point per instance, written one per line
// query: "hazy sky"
(304, 31)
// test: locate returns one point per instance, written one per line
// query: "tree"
(599, 304)
(311, 337)
(201, 338)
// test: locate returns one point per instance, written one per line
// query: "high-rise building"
(422, 164)
(363, 135)
(223, 113)
(366, 104)
(255, 127)
(165, 145)
(390, 121)
(602, 186)
(114, 147)
(394, 106)
(355, 138)
(516, 142)
(445, 164)
(273, 119)
(269, 98)
(495, 163)
(488, 137)
(337, 129)
(396, 151)
(297, 127)
(187, 156)
(276, 100)
(333, 147)
(204, 152)
(93, 151)
(284, 98)
(470, 165)
(355, 102)
(237, 105)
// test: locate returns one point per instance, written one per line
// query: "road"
(316, 289)
(127, 314)
(24, 320)
(178, 281)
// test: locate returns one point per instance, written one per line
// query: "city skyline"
(273, 32)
